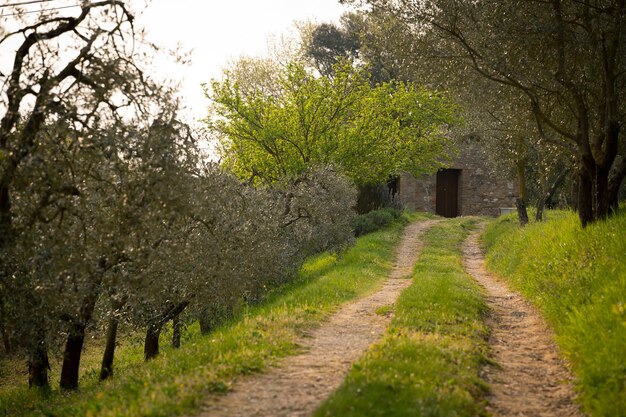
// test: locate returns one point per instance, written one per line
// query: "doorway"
(447, 193)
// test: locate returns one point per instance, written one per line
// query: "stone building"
(468, 187)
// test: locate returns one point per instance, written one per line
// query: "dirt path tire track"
(530, 378)
(302, 382)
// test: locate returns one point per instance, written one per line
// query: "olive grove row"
(112, 218)
(108, 213)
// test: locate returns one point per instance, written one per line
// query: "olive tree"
(498, 117)
(72, 81)
(565, 57)
(148, 192)
(233, 243)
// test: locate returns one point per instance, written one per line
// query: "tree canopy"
(567, 58)
(367, 132)
(108, 214)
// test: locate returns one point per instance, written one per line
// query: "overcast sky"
(221, 30)
(215, 31)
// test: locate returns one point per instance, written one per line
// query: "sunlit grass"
(577, 277)
(428, 362)
(178, 380)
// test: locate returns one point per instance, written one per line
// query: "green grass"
(428, 362)
(577, 277)
(178, 380)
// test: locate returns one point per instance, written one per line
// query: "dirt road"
(530, 379)
(302, 382)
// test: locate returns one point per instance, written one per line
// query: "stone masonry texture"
(480, 192)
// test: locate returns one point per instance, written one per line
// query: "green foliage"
(234, 242)
(366, 132)
(327, 44)
(545, 76)
(177, 381)
(94, 174)
(577, 277)
(128, 186)
(107, 213)
(375, 220)
(365, 38)
(428, 362)
(168, 233)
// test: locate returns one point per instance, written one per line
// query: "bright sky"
(218, 31)
(213, 31)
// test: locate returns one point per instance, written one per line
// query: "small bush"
(375, 220)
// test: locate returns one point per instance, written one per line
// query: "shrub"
(374, 220)
(318, 212)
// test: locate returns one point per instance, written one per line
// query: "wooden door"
(446, 203)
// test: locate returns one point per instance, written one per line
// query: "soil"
(302, 382)
(528, 378)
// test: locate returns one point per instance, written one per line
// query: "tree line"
(110, 214)
(541, 82)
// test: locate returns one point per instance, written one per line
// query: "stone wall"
(480, 192)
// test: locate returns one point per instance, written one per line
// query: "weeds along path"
(529, 378)
(301, 382)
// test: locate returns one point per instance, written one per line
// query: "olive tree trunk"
(106, 369)
(153, 332)
(177, 328)
(520, 201)
(38, 363)
(547, 196)
(76, 339)
(205, 322)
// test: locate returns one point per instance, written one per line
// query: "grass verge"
(427, 363)
(577, 277)
(178, 380)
